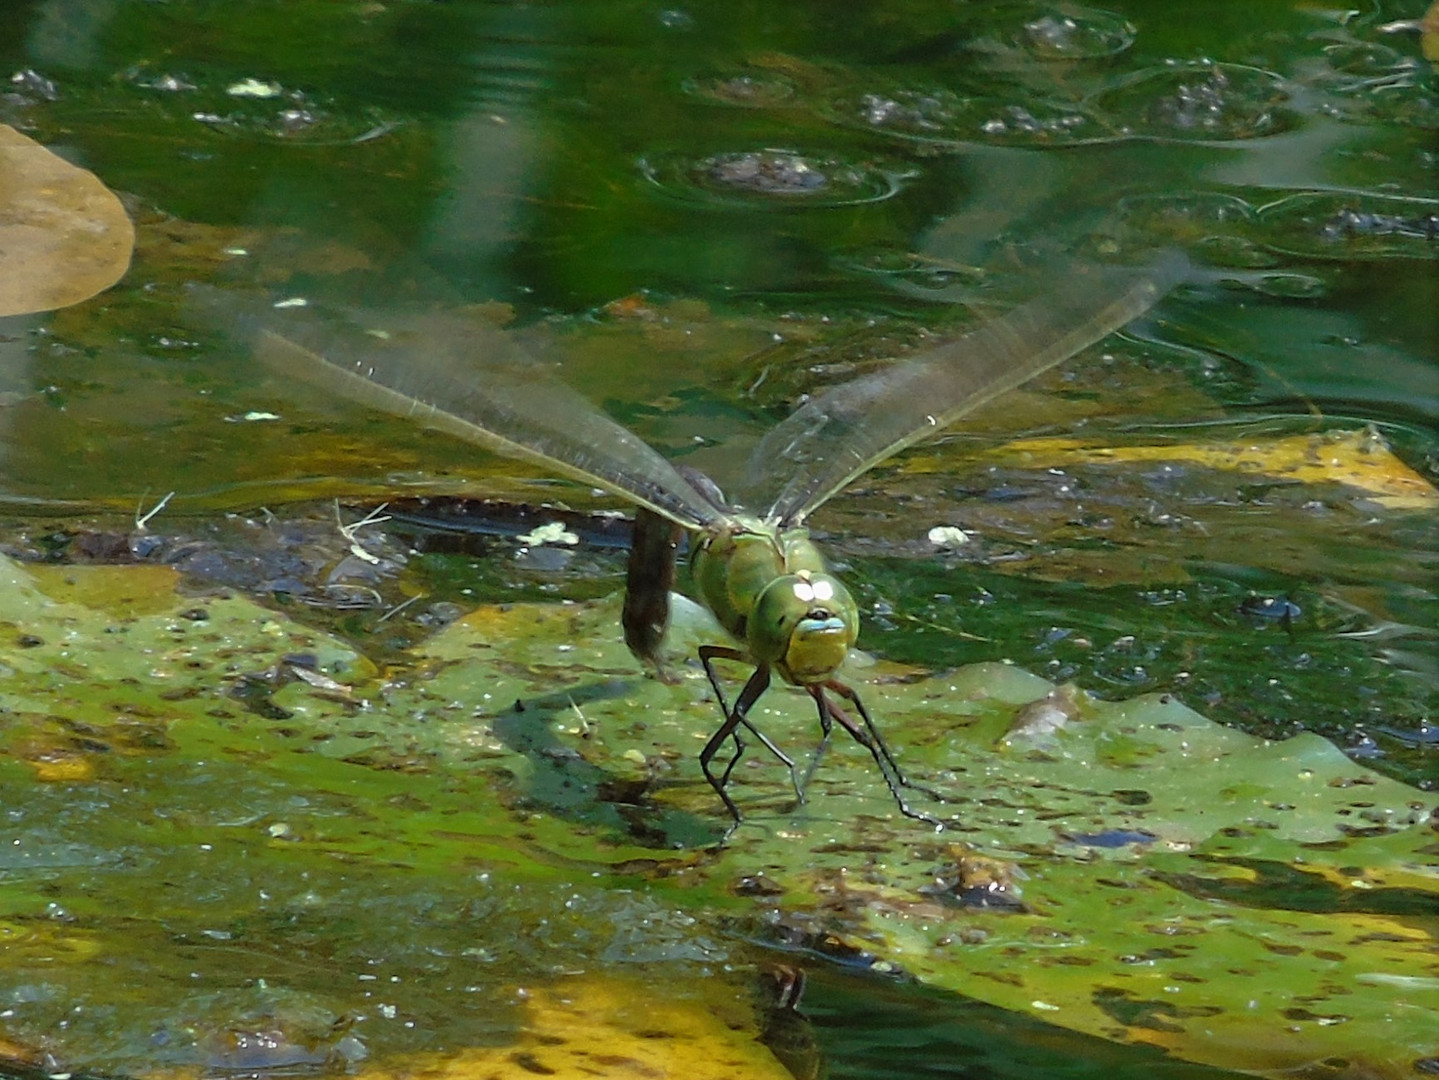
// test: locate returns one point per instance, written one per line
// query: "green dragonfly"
(752, 561)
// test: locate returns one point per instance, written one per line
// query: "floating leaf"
(1304, 879)
(63, 234)
(1354, 458)
(776, 179)
(587, 1028)
(1126, 870)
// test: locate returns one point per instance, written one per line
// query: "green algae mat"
(230, 841)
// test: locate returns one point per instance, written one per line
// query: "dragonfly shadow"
(566, 782)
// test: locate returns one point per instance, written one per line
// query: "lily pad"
(1355, 459)
(1237, 902)
(63, 234)
(1352, 227)
(583, 1028)
(1135, 826)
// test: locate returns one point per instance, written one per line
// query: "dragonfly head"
(803, 624)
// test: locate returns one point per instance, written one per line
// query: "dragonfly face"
(804, 624)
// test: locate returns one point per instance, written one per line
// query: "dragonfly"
(753, 562)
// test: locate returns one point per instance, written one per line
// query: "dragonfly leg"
(826, 726)
(758, 683)
(869, 737)
(848, 692)
(709, 653)
(719, 652)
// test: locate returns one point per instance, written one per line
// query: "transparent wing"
(469, 381)
(841, 433)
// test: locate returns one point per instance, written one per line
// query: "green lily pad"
(1241, 903)
(1127, 870)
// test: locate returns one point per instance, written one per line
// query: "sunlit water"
(783, 195)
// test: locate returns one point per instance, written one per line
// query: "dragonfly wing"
(846, 430)
(469, 381)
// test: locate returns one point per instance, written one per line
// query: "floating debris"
(254, 88)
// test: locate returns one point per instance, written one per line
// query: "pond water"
(700, 213)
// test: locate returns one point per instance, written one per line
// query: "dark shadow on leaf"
(565, 783)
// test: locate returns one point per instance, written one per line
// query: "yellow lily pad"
(588, 1027)
(64, 236)
(585, 1028)
(1355, 459)
(137, 590)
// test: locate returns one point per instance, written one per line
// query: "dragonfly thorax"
(769, 588)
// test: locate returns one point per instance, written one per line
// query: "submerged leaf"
(63, 234)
